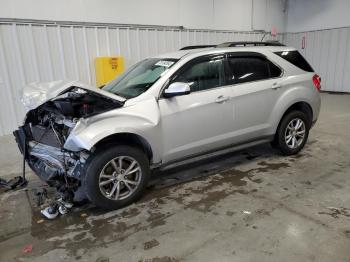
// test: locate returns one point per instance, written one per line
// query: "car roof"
(203, 51)
(181, 53)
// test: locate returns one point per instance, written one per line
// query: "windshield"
(139, 78)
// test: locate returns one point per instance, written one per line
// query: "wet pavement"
(253, 205)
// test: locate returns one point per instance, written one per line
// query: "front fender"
(141, 119)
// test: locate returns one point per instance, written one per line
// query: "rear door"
(256, 84)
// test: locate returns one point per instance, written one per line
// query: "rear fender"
(292, 95)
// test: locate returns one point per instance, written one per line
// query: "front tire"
(292, 132)
(117, 176)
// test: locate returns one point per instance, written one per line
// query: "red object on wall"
(303, 42)
(274, 32)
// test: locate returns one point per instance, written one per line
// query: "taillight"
(317, 81)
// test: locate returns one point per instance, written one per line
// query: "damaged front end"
(46, 128)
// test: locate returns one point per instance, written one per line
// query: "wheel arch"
(301, 106)
(126, 138)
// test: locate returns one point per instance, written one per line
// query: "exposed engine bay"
(42, 137)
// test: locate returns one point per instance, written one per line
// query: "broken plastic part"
(13, 183)
(49, 154)
(65, 203)
(63, 210)
(41, 196)
(51, 212)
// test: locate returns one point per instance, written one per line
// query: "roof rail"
(196, 47)
(237, 44)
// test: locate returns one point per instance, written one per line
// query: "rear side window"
(295, 58)
(251, 68)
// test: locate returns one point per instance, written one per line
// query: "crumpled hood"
(35, 94)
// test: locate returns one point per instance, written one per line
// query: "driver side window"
(203, 74)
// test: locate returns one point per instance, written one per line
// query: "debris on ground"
(27, 249)
(64, 203)
(102, 259)
(41, 195)
(246, 212)
(160, 259)
(57, 207)
(151, 244)
(13, 183)
(51, 211)
(337, 211)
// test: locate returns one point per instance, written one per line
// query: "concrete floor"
(253, 205)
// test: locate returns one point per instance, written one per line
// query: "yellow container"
(108, 68)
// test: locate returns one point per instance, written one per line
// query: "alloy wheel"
(295, 133)
(120, 178)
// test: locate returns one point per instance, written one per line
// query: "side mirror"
(177, 89)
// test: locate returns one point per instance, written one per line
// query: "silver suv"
(165, 111)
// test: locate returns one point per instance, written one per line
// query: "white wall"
(317, 14)
(328, 52)
(41, 53)
(200, 14)
(45, 52)
(324, 28)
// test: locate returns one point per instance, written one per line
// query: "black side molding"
(247, 43)
(196, 47)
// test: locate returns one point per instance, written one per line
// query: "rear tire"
(292, 133)
(116, 177)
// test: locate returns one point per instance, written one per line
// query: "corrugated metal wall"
(47, 52)
(328, 51)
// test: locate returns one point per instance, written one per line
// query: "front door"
(202, 120)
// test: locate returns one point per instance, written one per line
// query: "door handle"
(276, 86)
(222, 99)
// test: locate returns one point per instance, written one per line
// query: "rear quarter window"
(295, 58)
